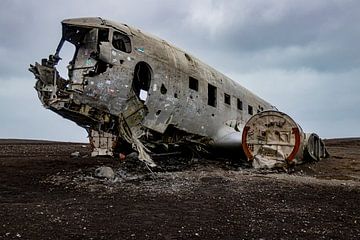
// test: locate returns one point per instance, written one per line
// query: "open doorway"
(142, 80)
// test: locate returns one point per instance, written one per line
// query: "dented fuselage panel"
(134, 89)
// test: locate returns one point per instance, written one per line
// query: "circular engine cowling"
(272, 139)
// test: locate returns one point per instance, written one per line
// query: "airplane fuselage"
(127, 86)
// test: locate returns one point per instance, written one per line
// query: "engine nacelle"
(273, 139)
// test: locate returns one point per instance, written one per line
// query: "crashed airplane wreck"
(132, 91)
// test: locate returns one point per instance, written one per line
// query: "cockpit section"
(98, 89)
(96, 51)
(103, 88)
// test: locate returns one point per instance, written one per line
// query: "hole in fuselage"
(99, 68)
(142, 80)
(212, 95)
(163, 89)
(67, 55)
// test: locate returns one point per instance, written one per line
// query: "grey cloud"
(327, 27)
(314, 99)
(34, 30)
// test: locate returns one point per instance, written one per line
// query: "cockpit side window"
(103, 35)
(121, 42)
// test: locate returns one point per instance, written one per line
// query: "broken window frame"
(239, 104)
(227, 99)
(194, 84)
(250, 110)
(212, 95)
(75, 34)
(103, 35)
(126, 42)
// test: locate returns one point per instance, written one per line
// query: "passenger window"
(193, 84)
(239, 104)
(212, 92)
(121, 42)
(227, 99)
(250, 110)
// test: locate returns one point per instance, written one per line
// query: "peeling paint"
(142, 50)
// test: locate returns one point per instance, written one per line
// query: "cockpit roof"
(96, 22)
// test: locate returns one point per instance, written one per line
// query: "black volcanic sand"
(47, 194)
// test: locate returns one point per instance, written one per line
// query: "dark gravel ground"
(46, 194)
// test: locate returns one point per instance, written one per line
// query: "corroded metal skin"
(131, 90)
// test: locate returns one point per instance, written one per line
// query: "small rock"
(104, 172)
(75, 154)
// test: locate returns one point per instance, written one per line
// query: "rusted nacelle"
(273, 139)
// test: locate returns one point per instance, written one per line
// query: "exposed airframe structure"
(132, 90)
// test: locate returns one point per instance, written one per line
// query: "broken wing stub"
(272, 139)
(132, 136)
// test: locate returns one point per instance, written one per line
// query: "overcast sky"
(302, 56)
